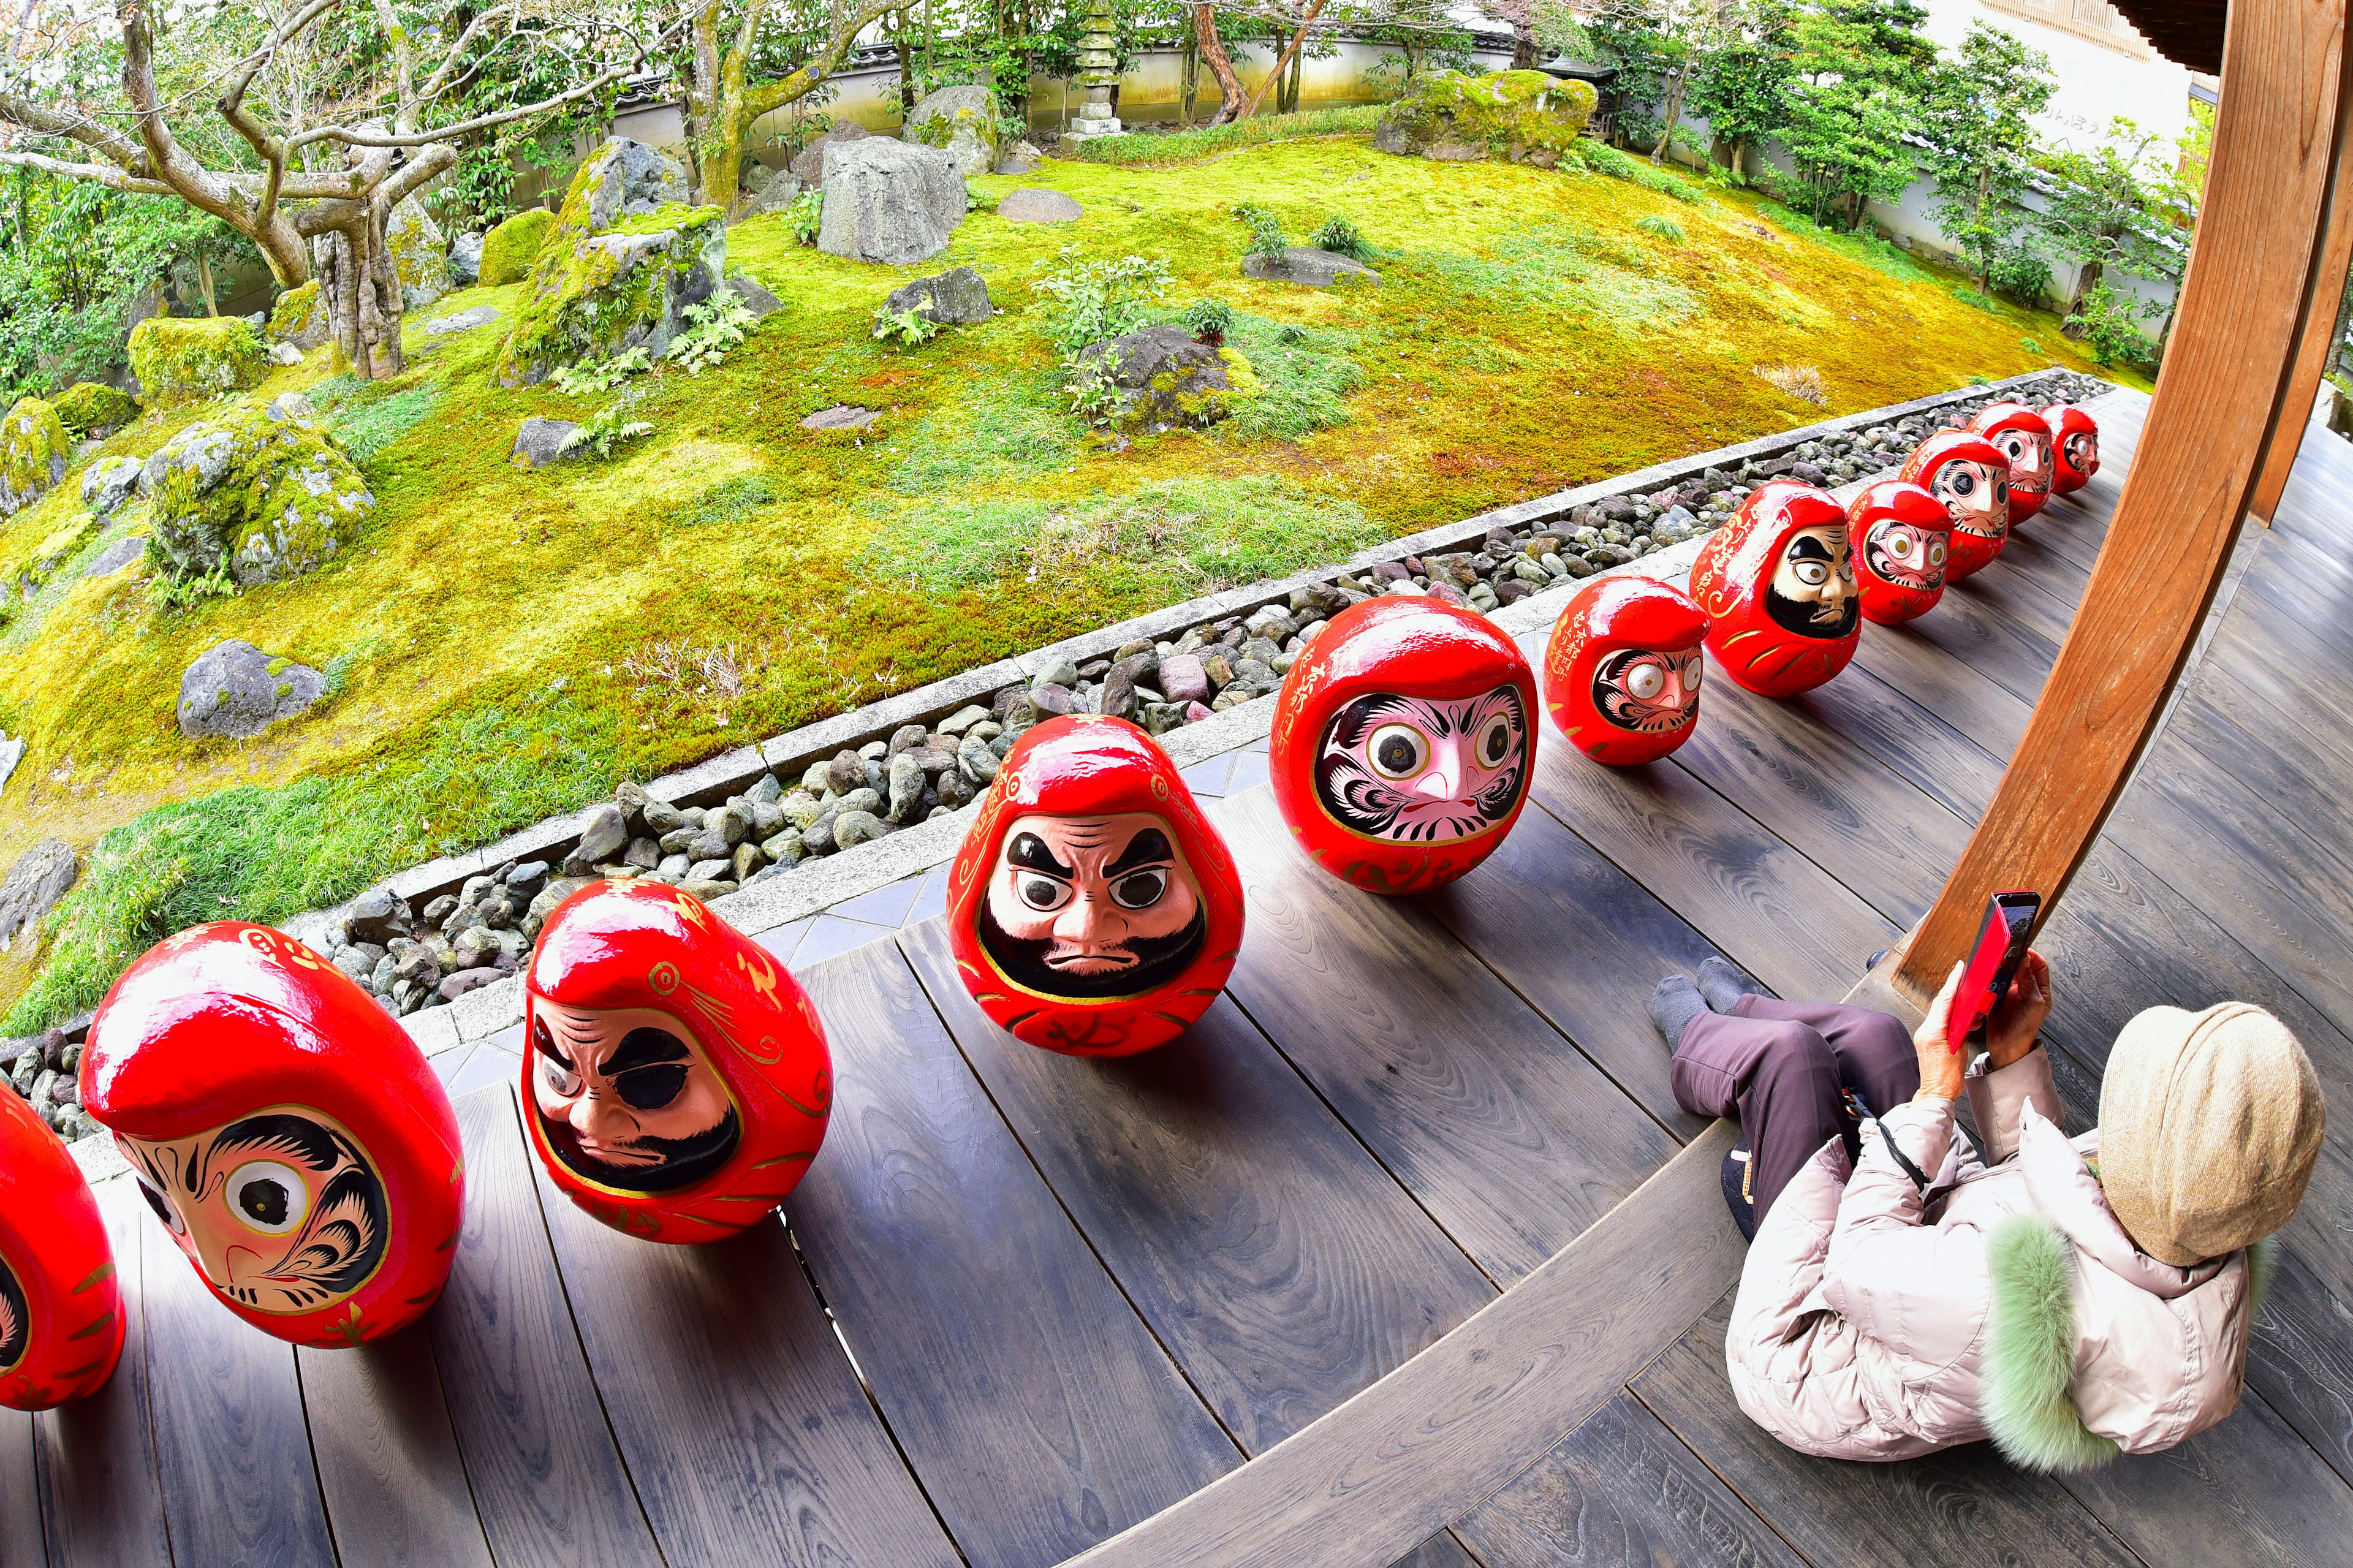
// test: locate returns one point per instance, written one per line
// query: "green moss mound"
(33, 454)
(181, 361)
(92, 408)
(509, 250)
(421, 255)
(300, 318)
(267, 498)
(596, 295)
(1159, 150)
(1523, 116)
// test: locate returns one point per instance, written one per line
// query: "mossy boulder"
(621, 180)
(1167, 381)
(959, 120)
(300, 318)
(601, 294)
(93, 410)
(420, 254)
(270, 498)
(1523, 116)
(509, 250)
(179, 361)
(33, 454)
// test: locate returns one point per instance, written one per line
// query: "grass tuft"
(728, 502)
(1147, 150)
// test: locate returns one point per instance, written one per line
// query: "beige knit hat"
(2209, 1124)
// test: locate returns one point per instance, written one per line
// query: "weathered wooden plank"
(1583, 945)
(2279, 758)
(1280, 1265)
(1033, 1402)
(2248, 1492)
(1913, 743)
(2301, 1355)
(548, 1483)
(1963, 1506)
(1964, 698)
(102, 1498)
(1621, 1492)
(1440, 1551)
(388, 1466)
(230, 1441)
(21, 1545)
(1446, 1431)
(1987, 627)
(742, 1423)
(1778, 915)
(1506, 1133)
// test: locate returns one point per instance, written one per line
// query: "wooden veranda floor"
(1025, 1302)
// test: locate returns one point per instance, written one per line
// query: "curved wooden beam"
(2218, 407)
(1403, 1460)
(2315, 337)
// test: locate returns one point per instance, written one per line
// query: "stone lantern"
(1098, 53)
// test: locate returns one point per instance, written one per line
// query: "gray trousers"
(1781, 1067)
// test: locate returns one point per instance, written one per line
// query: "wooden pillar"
(2219, 401)
(2315, 337)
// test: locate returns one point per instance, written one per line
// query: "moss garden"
(500, 643)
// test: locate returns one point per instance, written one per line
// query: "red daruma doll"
(675, 1078)
(1972, 479)
(1777, 583)
(1092, 910)
(1622, 671)
(2018, 433)
(285, 1129)
(2075, 448)
(1401, 749)
(1902, 535)
(61, 1304)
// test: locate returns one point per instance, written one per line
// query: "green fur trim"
(2262, 1261)
(2031, 1351)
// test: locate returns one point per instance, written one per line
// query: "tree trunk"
(1524, 43)
(205, 281)
(2087, 281)
(1221, 64)
(1189, 88)
(1671, 112)
(1283, 61)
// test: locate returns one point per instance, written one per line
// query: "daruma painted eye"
(268, 1197)
(1938, 549)
(1963, 482)
(1646, 681)
(1396, 750)
(164, 1209)
(1496, 741)
(1140, 892)
(1043, 893)
(1900, 544)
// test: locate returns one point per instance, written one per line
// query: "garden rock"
(376, 917)
(93, 410)
(180, 362)
(285, 354)
(889, 202)
(602, 840)
(841, 417)
(300, 319)
(1525, 116)
(511, 249)
(604, 293)
(772, 195)
(961, 122)
(12, 751)
(1018, 159)
(235, 690)
(756, 299)
(808, 165)
(955, 297)
(270, 500)
(34, 452)
(36, 883)
(117, 556)
(466, 259)
(421, 255)
(541, 442)
(463, 321)
(1166, 380)
(1310, 269)
(108, 482)
(624, 179)
(1032, 204)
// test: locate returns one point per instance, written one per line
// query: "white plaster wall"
(2097, 82)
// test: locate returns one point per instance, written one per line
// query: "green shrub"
(1661, 226)
(1516, 114)
(1089, 301)
(2109, 323)
(2019, 274)
(1267, 240)
(511, 250)
(88, 407)
(179, 361)
(1339, 236)
(1208, 320)
(807, 215)
(1190, 146)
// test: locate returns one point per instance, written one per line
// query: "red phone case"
(1976, 999)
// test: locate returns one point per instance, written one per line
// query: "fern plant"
(1661, 227)
(601, 375)
(1092, 384)
(1339, 236)
(715, 327)
(608, 427)
(910, 327)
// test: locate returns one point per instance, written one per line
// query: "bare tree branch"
(105, 175)
(74, 126)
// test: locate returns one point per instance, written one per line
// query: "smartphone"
(1993, 964)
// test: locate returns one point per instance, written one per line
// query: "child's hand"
(2016, 1017)
(1940, 1064)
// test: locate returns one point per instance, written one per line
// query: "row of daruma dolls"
(676, 1083)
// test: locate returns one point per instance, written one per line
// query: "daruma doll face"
(2076, 448)
(1972, 479)
(1778, 585)
(1623, 669)
(2018, 433)
(1906, 536)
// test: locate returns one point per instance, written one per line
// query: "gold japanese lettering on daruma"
(282, 1211)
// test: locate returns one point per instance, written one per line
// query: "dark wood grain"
(740, 1421)
(1958, 1508)
(388, 1465)
(1621, 1492)
(1440, 1551)
(1934, 758)
(2248, 1492)
(1282, 1268)
(1448, 1429)
(232, 1446)
(1510, 1136)
(547, 1484)
(1584, 944)
(1778, 915)
(1989, 628)
(1030, 1399)
(21, 1545)
(1963, 697)
(2301, 1355)
(102, 1498)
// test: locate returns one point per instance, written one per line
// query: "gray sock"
(1724, 986)
(1675, 1003)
